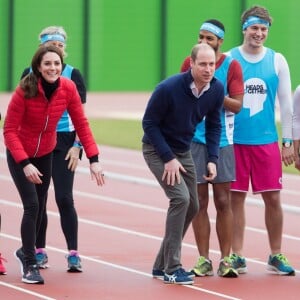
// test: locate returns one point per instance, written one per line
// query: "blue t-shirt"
(255, 124)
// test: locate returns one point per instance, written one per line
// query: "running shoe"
(42, 259)
(74, 263)
(239, 263)
(159, 274)
(279, 264)
(178, 277)
(2, 267)
(32, 275)
(226, 269)
(203, 267)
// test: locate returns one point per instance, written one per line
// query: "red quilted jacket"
(30, 124)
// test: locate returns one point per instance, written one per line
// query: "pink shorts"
(259, 163)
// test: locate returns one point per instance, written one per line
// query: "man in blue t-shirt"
(229, 72)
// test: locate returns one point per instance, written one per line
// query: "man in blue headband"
(229, 72)
(258, 158)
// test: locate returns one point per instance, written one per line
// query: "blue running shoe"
(159, 274)
(239, 263)
(178, 277)
(42, 260)
(279, 264)
(74, 263)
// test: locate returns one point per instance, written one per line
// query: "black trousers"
(33, 197)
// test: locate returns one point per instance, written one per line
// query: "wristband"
(287, 143)
(77, 144)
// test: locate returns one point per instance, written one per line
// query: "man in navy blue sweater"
(174, 109)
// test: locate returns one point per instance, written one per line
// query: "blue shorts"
(225, 167)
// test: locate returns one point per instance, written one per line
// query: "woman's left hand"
(97, 173)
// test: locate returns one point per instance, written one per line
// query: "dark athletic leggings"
(63, 180)
(34, 198)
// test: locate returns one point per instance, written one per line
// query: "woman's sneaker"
(42, 259)
(279, 264)
(74, 263)
(239, 263)
(2, 267)
(32, 275)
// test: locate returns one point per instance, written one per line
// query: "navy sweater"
(173, 112)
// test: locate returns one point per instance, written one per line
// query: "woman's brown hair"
(30, 82)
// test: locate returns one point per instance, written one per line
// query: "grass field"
(118, 133)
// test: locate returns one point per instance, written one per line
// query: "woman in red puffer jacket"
(30, 137)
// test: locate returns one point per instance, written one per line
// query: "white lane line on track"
(116, 266)
(23, 290)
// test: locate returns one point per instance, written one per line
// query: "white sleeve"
(296, 114)
(284, 94)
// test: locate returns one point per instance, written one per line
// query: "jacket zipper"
(40, 136)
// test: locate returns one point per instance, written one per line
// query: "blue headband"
(255, 20)
(52, 37)
(213, 29)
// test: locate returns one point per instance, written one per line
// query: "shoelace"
(282, 258)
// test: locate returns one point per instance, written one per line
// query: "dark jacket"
(173, 112)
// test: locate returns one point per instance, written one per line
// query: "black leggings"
(34, 197)
(63, 180)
